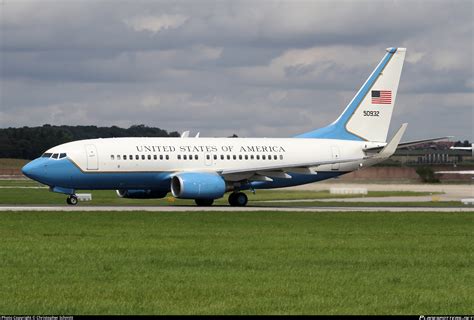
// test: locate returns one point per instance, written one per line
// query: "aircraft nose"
(32, 169)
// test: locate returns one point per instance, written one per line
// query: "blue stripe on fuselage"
(337, 130)
(64, 173)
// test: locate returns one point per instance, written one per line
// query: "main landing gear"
(238, 199)
(71, 200)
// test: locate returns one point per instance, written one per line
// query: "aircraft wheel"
(232, 199)
(71, 200)
(204, 202)
(238, 199)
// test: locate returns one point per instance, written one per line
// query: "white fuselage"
(208, 154)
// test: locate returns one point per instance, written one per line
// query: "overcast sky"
(254, 68)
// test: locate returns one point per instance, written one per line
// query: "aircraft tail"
(367, 117)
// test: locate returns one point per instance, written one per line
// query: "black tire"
(72, 200)
(68, 200)
(232, 199)
(204, 202)
(238, 199)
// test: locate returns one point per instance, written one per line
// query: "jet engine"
(191, 185)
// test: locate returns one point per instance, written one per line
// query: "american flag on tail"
(381, 97)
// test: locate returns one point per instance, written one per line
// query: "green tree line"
(31, 142)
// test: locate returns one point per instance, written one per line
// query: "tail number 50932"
(370, 113)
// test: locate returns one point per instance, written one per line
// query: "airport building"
(432, 156)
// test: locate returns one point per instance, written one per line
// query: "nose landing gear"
(72, 200)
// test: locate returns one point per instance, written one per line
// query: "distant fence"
(10, 172)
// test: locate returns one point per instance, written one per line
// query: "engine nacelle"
(191, 185)
(141, 194)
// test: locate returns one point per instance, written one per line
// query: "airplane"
(470, 172)
(204, 169)
(471, 148)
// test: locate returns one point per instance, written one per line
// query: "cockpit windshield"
(54, 155)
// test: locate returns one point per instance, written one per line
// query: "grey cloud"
(246, 67)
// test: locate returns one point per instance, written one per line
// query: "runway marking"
(231, 209)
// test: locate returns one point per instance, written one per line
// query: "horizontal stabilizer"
(411, 143)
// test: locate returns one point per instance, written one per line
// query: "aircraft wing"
(278, 171)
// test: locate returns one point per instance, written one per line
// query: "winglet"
(391, 147)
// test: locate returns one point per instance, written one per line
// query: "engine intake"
(190, 185)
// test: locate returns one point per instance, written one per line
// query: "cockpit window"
(55, 155)
(46, 155)
(62, 155)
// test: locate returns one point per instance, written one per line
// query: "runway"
(230, 209)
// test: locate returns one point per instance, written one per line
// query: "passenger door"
(92, 157)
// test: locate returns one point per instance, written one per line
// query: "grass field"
(236, 263)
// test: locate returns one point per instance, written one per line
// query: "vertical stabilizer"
(367, 117)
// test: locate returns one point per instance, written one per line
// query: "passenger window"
(167, 157)
(246, 157)
(196, 157)
(184, 157)
(112, 157)
(258, 157)
(275, 157)
(155, 157)
(251, 157)
(179, 157)
(234, 157)
(281, 157)
(208, 157)
(215, 157)
(149, 157)
(263, 157)
(130, 157)
(222, 157)
(190, 157)
(228, 157)
(55, 156)
(269, 157)
(124, 157)
(161, 157)
(118, 157)
(137, 157)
